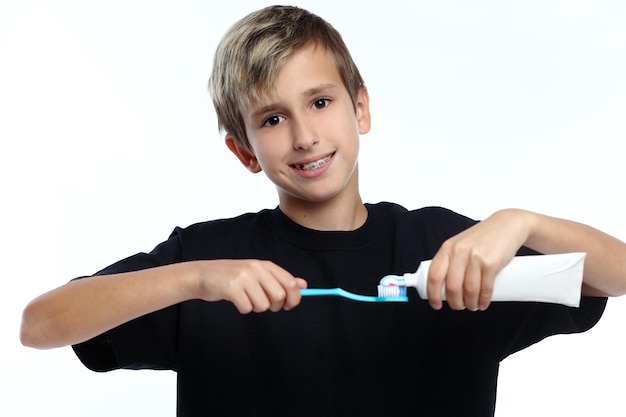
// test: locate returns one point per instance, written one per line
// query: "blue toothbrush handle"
(318, 291)
(339, 292)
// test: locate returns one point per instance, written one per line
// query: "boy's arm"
(469, 261)
(85, 308)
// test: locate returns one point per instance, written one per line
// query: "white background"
(109, 140)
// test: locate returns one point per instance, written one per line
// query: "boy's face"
(305, 136)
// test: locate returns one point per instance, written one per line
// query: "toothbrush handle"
(309, 292)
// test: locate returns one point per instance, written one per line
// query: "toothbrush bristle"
(391, 291)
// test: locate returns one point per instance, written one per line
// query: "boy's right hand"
(84, 308)
(250, 284)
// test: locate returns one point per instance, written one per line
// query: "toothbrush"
(339, 292)
(543, 278)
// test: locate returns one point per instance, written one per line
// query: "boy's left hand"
(469, 262)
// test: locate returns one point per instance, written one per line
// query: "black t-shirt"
(329, 356)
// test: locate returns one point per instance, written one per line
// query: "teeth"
(313, 165)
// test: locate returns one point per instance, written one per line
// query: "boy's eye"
(273, 120)
(321, 103)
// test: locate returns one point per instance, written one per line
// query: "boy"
(293, 104)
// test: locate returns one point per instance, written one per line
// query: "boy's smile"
(312, 167)
(305, 135)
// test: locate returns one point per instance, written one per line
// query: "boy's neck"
(327, 215)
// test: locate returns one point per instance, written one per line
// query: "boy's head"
(254, 50)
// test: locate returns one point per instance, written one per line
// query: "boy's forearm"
(82, 309)
(605, 263)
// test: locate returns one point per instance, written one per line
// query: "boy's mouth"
(313, 165)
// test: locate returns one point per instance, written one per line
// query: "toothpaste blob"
(540, 278)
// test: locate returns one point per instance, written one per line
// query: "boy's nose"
(304, 135)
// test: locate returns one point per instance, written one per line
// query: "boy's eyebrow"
(313, 91)
(318, 90)
(270, 108)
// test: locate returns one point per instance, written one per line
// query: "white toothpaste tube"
(542, 278)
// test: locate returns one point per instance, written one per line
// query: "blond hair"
(253, 51)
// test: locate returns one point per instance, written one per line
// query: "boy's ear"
(363, 116)
(245, 156)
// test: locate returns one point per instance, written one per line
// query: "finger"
(290, 287)
(275, 293)
(436, 277)
(472, 286)
(258, 298)
(257, 289)
(241, 301)
(486, 288)
(454, 283)
(245, 291)
(294, 297)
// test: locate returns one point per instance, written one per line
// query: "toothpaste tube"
(542, 278)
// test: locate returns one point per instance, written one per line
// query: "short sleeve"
(146, 342)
